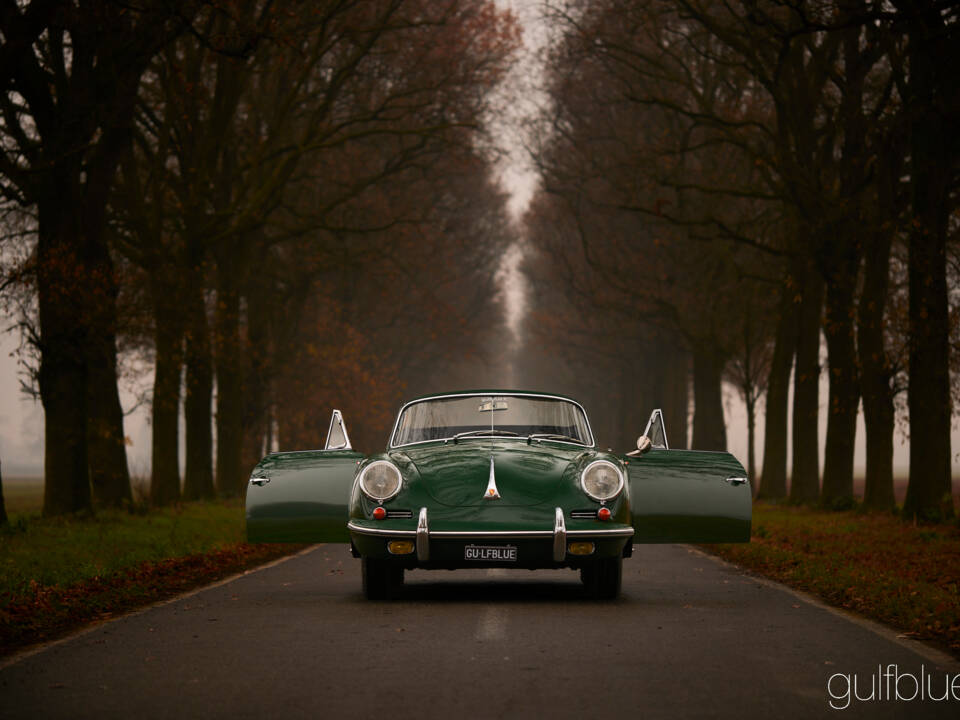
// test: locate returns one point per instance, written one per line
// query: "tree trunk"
(805, 475)
(929, 492)
(844, 397)
(773, 478)
(678, 397)
(229, 354)
(109, 472)
(168, 340)
(107, 451)
(751, 439)
(878, 412)
(198, 474)
(256, 414)
(709, 431)
(63, 366)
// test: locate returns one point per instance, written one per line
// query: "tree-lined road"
(690, 637)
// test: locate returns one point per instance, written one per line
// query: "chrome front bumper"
(559, 534)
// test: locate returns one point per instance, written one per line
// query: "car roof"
(488, 391)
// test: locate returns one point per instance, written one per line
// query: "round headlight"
(380, 480)
(602, 480)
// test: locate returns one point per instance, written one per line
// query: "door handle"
(736, 480)
(259, 481)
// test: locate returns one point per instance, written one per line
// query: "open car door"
(687, 495)
(304, 496)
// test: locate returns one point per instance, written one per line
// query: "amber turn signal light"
(580, 548)
(400, 547)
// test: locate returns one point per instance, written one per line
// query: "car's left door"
(303, 496)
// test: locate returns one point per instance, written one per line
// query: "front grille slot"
(399, 513)
(584, 514)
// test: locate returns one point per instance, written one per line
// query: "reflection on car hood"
(457, 474)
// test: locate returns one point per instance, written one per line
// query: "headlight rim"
(370, 495)
(613, 496)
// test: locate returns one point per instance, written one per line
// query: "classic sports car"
(497, 479)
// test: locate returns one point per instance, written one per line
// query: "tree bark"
(875, 374)
(709, 431)
(168, 340)
(63, 366)
(107, 451)
(678, 397)
(198, 473)
(751, 439)
(256, 415)
(931, 164)
(229, 353)
(805, 475)
(844, 394)
(773, 477)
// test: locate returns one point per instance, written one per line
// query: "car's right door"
(304, 496)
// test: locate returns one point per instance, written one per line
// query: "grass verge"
(875, 565)
(58, 573)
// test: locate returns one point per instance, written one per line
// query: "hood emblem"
(492, 493)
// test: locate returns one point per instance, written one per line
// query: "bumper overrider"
(447, 546)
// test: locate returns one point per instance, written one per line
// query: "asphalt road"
(690, 637)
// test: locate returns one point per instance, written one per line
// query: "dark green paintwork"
(457, 474)
(671, 496)
(306, 498)
(683, 496)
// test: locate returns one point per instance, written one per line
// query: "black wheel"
(602, 578)
(381, 578)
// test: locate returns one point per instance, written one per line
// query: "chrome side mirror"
(643, 444)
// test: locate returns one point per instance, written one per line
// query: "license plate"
(497, 553)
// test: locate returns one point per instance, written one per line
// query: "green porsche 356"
(497, 479)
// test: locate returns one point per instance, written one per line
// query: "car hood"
(457, 474)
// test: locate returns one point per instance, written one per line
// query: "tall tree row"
(752, 169)
(288, 187)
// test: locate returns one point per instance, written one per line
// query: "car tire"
(381, 578)
(609, 573)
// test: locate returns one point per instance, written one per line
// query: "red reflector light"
(379, 513)
(603, 513)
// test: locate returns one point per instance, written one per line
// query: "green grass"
(63, 551)
(875, 565)
(57, 573)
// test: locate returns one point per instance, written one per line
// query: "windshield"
(492, 416)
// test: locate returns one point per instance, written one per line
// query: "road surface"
(690, 637)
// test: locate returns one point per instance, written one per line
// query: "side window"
(337, 438)
(656, 431)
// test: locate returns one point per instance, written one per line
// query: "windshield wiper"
(469, 433)
(553, 436)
